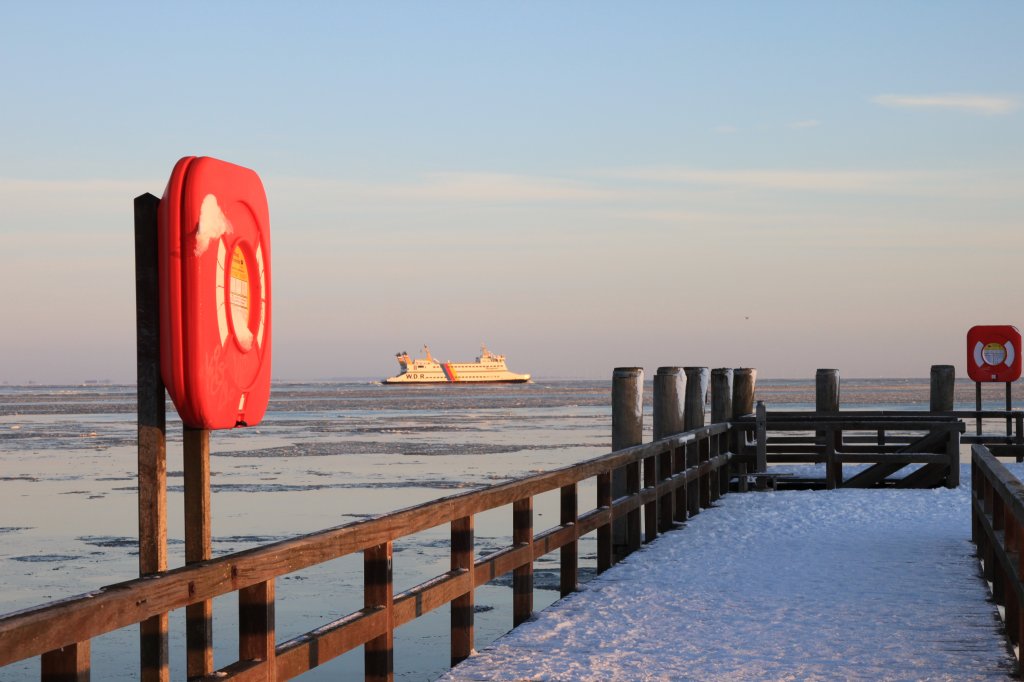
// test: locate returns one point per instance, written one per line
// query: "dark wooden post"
(522, 576)
(462, 607)
(953, 452)
(761, 436)
(69, 664)
(627, 431)
(378, 593)
(604, 532)
(826, 401)
(256, 638)
(569, 574)
(152, 431)
(743, 381)
(199, 616)
(669, 390)
(694, 407)
(943, 381)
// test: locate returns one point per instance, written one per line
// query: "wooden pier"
(663, 483)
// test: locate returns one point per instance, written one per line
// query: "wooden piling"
(943, 381)
(669, 394)
(627, 431)
(569, 514)
(694, 407)
(744, 379)
(826, 401)
(152, 433)
(721, 394)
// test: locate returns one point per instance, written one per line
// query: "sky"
(580, 185)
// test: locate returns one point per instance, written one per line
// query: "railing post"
(943, 381)
(378, 593)
(627, 430)
(953, 451)
(670, 389)
(569, 573)
(694, 407)
(198, 617)
(721, 411)
(826, 401)
(522, 576)
(68, 664)
(743, 381)
(152, 430)
(256, 639)
(462, 607)
(604, 532)
(761, 436)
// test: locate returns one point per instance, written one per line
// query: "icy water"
(326, 454)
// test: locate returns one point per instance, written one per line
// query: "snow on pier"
(815, 585)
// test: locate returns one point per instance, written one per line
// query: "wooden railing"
(997, 529)
(887, 441)
(682, 474)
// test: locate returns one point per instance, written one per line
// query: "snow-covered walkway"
(824, 585)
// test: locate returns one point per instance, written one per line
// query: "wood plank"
(872, 476)
(928, 476)
(434, 593)
(314, 648)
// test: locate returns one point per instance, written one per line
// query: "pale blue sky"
(580, 184)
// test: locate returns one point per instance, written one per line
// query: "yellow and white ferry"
(488, 368)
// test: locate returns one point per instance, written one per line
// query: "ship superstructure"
(488, 368)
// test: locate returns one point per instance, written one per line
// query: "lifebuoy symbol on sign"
(215, 311)
(993, 353)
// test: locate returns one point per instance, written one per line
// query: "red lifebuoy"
(215, 312)
(993, 353)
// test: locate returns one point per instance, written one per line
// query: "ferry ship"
(488, 369)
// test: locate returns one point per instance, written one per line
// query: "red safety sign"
(215, 313)
(993, 353)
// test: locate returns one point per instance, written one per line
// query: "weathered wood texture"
(997, 529)
(152, 432)
(943, 381)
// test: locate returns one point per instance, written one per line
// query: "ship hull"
(488, 369)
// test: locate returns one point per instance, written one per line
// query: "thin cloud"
(989, 105)
(808, 123)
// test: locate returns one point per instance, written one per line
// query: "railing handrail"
(1003, 481)
(57, 624)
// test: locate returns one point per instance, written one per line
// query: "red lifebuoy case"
(215, 285)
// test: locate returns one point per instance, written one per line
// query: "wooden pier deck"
(838, 585)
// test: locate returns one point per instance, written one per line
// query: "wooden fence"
(997, 529)
(887, 441)
(681, 474)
